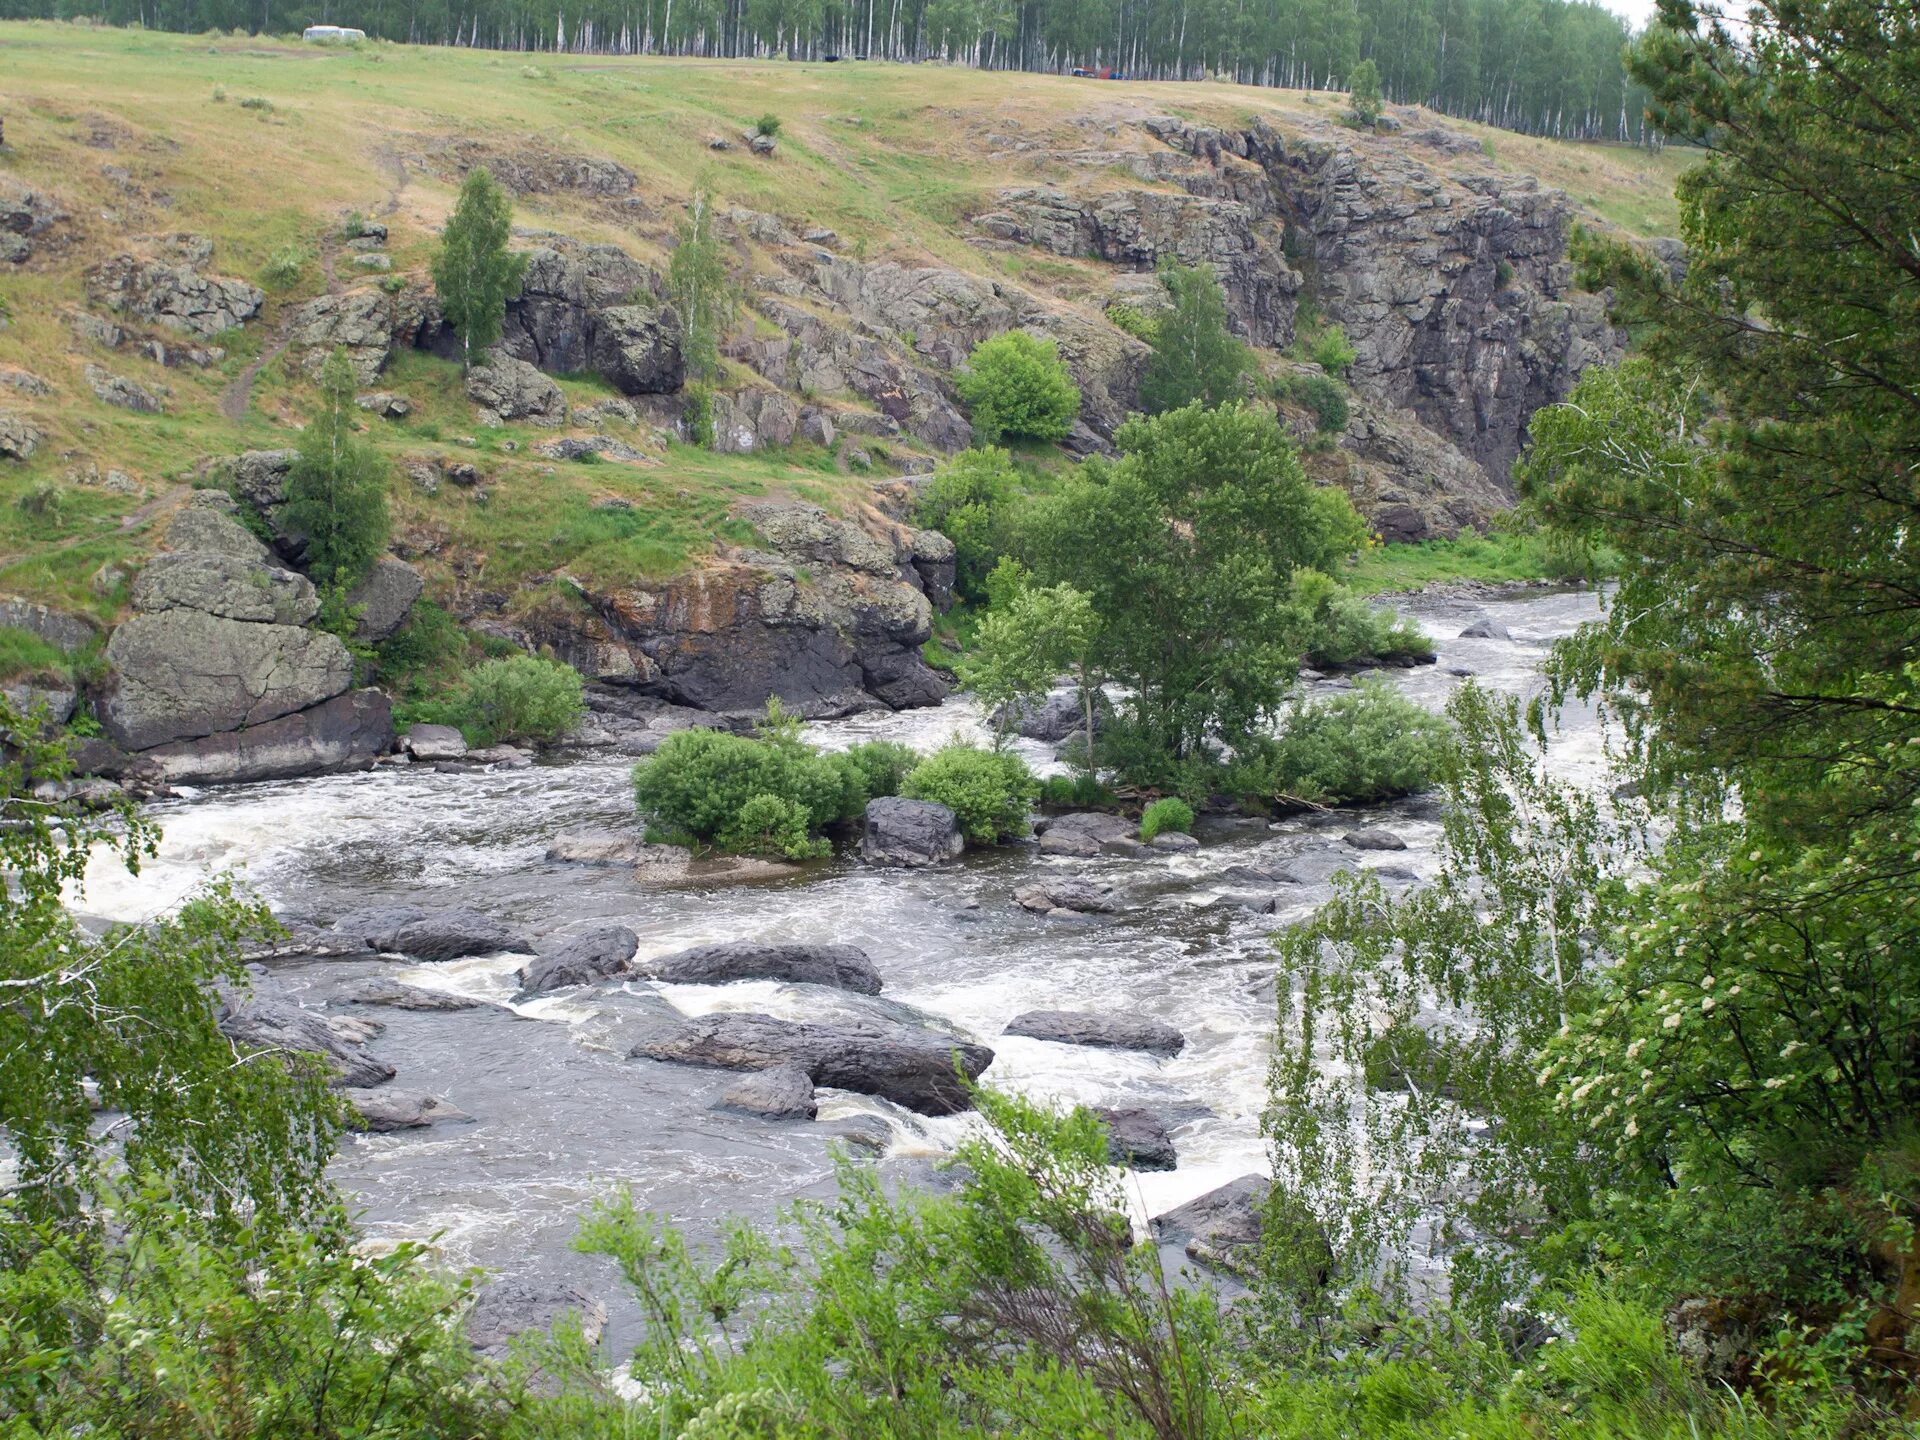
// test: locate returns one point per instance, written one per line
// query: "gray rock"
(1107, 1032)
(919, 1069)
(394, 995)
(784, 1092)
(205, 526)
(385, 599)
(1066, 894)
(1174, 842)
(376, 927)
(1485, 628)
(125, 393)
(56, 703)
(364, 323)
(181, 674)
(862, 1133)
(637, 349)
(580, 960)
(843, 967)
(454, 934)
(1085, 833)
(69, 633)
(348, 732)
(1054, 718)
(174, 295)
(383, 1111)
(264, 1019)
(910, 832)
(761, 144)
(19, 436)
(385, 404)
(509, 389)
(1372, 837)
(600, 847)
(510, 1307)
(1138, 1139)
(227, 586)
(435, 742)
(260, 477)
(1221, 1227)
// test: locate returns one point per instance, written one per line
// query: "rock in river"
(1221, 1227)
(844, 967)
(1138, 1139)
(1066, 895)
(783, 1093)
(384, 1110)
(1372, 837)
(1108, 1032)
(454, 934)
(264, 1020)
(919, 1069)
(580, 960)
(910, 832)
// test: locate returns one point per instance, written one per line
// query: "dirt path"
(237, 398)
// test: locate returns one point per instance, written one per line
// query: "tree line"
(1545, 67)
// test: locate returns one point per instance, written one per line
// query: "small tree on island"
(1022, 644)
(337, 488)
(474, 274)
(1364, 101)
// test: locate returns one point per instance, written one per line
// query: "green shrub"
(1126, 316)
(1078, 792)
(1015, 384)
(769, 825)
(1164, 816)
(1336, 627)
(767, 125)
(1332, 351)
(1321, 396)
(1371, 743)
(989, 791)
(881, 766)
(522, 698)
(969, 501)
(429, 648)
(696, 415)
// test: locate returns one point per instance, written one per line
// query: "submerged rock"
(1372, 837)
(910, 832)
(1106, 1032)
(392, 993)
(919, 1069)
(385, 1110)
(844, 967)
(784, 1092)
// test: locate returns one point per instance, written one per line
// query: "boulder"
(508, 389)
(225, 585)
(580, 960)
(843, 967)
(262, 1019)
(172, 294)
(1105, 1031)
(599, 847)
(69, 633)
(1054, 718)
(125, 393)
(1086, 833)
(1138, 1139)
(260, 477)
(205, 525)
(919, 1069)
(784, 1092)
(57, 702)
(386, 1110)
(1485, 628)
(361, 322)
(1174, 842)
(910, 832)
(637, 349)
(348, 732)
(455, 934)
(385, 404)
(435, 742)
(393, 994)
(182, 674)
(376, 927)
(385, 599)
(510, 1307)
(1066, 895)
(564, 287)
(1373, 837)
(19, 436)
(1221, 1227)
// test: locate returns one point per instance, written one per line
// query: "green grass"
(24, 655)
(1499, 555)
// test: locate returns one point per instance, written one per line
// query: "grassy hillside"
(266, 146)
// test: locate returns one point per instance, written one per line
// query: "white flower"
(1707, 1004)
(1672, 1022)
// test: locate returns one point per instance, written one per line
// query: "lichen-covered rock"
(508, 389)
(384, 599)
(173, 293)
(25, 215)
(182, 674)
(361, 322)
(19, 436)
(225, 585)
(348, 732)
(637, 349)
(910, 832)
(205, 526)
(56, 627)
(125, 393)
(550, 323)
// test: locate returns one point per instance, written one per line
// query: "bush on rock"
(989, 791)
(1171, 815)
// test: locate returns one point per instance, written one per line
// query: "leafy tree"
(969, 500)
(1021, 646)
(1186, 547)
(337, 489)
(1015, 384)
(1363, 94)
(1195, 358)
(703, 293)
(474, 274)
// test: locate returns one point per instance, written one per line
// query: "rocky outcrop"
(505, 388)
(843, 967)
(169, 291)
(580, 960)
(1066, 897)
(19, 436)
(919, 1069)
(910, 832)
(384, 599)
(118, 390)
(1107, 1032)
(25, 216)
(227, 586)
(366, 323)
(1087, 833)
(348, 732)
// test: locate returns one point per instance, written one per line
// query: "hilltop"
(194, 221)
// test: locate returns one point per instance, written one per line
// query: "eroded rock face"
(384, 599)
(171, 292)
(914, 1068)
(227, 586)
(348, 732)
(509, 389)
(19, 436)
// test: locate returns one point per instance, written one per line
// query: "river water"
(560, 1115)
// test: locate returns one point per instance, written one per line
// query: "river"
(560, 1115)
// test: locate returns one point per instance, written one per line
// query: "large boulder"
(227, 586)
(1053, 718)
(384, 599)
(580, 960)
(1062, 896)
(563, 286)
(509, 389)
(382, 1111)
(843, 967)
(206, 526)
(1105, 1031)
(181, 674)
(1086, 833)
(637, 349)
(1222, 1227)
(435, 743)
(1138, 1139)
(455, 934)
(1374, 837)
(784, 1092)
(374, 929)
(262, 1018)
(360, 322)
(173, 294)
(348, 732)
(910, 832)
(919, 1069)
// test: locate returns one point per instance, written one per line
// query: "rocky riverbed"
(531, 1104)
